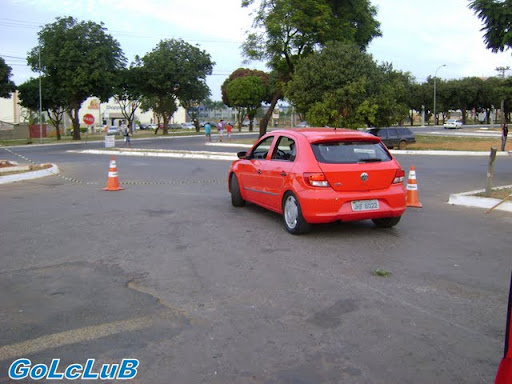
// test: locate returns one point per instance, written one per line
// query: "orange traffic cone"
(112, 180)
(412, 190)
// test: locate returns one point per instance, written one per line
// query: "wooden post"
(490, 172)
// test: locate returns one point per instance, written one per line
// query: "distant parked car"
(302, 124)
(188, 126)
(394, 137)
(113, 130)
(453, 124)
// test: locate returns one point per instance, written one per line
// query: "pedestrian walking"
(126, 133)
(504, 134)
(208, 132)
(220, 128)
(229, 128)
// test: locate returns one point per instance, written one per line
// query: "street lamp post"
(435, 78)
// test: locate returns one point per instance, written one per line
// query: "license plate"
(365, 205)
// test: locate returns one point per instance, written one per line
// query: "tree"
(287, 30)
(53, 101)
(418, 100)
(497, 17)
(392, 94)
(337, 87)
(491, 96)
(81, 59)
(245, 89)
(6, 85)
(174, 71)
(128, 93)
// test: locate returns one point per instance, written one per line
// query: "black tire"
(236, 196)
(292, 215)
(387, 222)
(402, 145)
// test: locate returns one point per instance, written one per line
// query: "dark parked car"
(394, 137)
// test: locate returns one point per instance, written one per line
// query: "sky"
(416, 37)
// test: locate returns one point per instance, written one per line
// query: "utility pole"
(502, 70)
(502, 108)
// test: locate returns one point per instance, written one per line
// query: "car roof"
(315, 135)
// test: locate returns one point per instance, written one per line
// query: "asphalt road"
(168, 272)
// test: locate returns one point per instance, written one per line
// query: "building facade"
(11, 113)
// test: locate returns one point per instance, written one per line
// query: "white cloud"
(419, 37)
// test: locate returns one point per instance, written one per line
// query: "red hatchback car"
(320, 175)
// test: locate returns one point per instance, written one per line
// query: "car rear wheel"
(292, 215)
(386, 222)
(402, 145)
(236, 196)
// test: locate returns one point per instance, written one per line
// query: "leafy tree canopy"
(81, 59)
(6, 85)
(52, 99)
(497, 18)
(287, 30)
(174, 71)
(336, 87)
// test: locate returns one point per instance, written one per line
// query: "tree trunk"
(165, 128)
(57, 127)
(490, 172)
(264, 121)
(76, 122)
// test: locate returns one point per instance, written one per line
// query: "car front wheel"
(402, 145)
(292, 215)
(386, 222)
(236, 196)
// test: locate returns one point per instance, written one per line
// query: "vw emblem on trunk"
(364, 176)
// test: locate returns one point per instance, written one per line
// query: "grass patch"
(500, 194)
(379, 272)
(440, 143)
(32, 168)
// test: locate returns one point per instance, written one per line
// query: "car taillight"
(316, 180)
(399, 176)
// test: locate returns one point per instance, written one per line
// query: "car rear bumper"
(325, 206)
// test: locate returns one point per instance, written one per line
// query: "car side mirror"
(242, 155)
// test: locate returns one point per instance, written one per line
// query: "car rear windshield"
(350, 152)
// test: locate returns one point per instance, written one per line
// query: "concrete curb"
(205, 155)
(468, 199)
(53, 170)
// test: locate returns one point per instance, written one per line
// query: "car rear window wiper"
(370, 160)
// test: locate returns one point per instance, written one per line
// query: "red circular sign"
(89, 119)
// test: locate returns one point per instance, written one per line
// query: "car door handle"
(258, 171)
(283, 173)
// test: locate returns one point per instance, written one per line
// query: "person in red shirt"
(229, 128)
